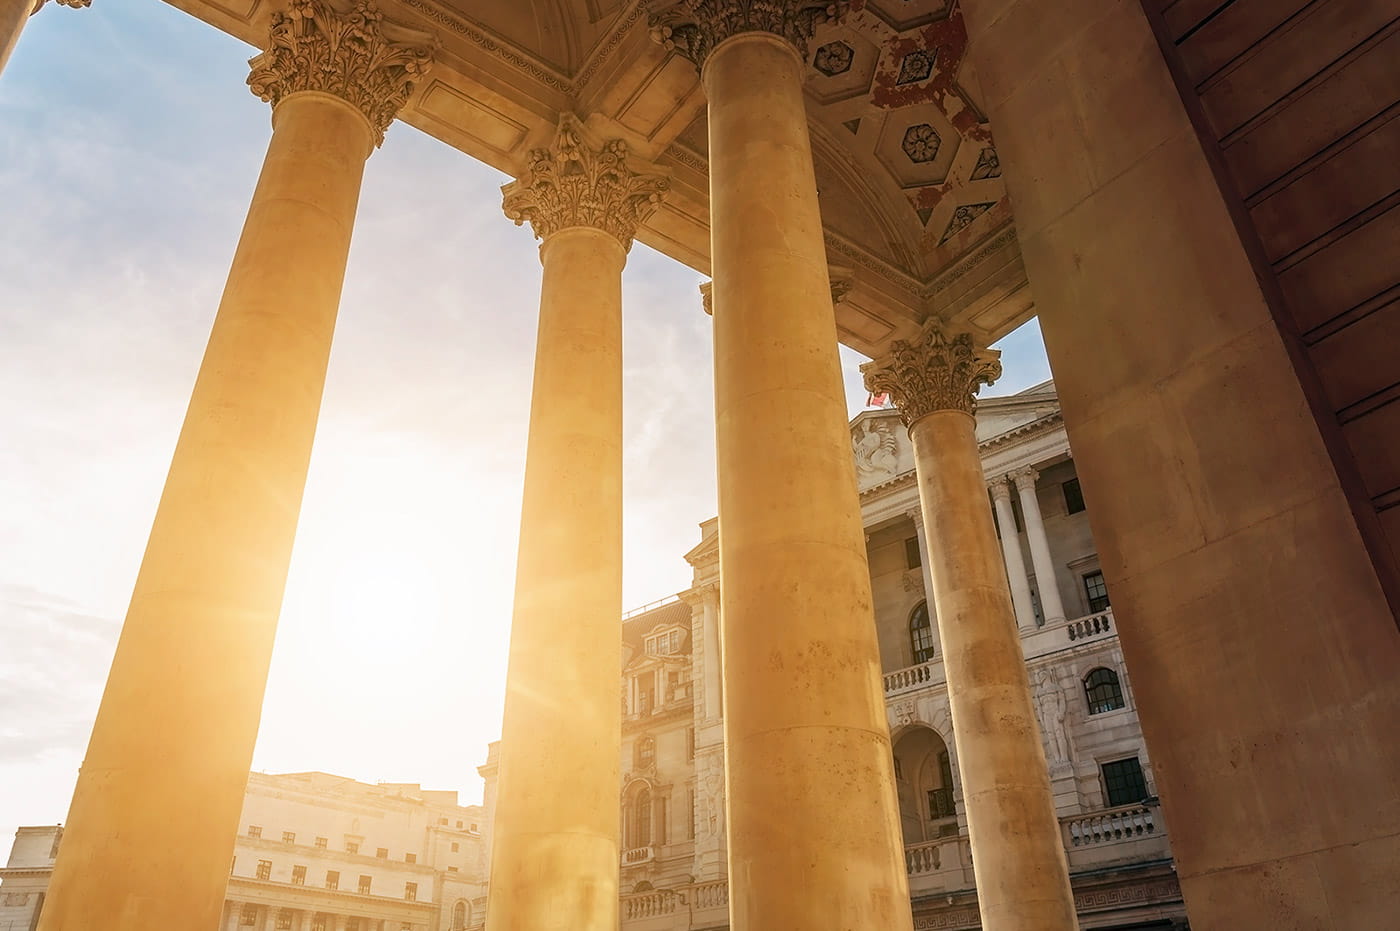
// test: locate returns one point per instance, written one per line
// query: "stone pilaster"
(693, 28)
(358, 56)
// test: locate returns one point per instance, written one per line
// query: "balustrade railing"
(649, 904)
(1129, 822)
(1090, 626)
(696, 897)
(637, 855)
(901, 680)
(923, 858)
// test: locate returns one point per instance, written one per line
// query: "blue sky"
(129, 147)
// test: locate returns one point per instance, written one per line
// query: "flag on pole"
(878, 399)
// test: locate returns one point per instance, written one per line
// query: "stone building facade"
(318, 852)
(674, 870)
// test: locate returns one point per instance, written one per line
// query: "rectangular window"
(289, 837)
(1074, 498)
(382, 853)
(321, 842)
(352, 846)
(363, 888)
(459, 825)
(298, 876)
(1123, 782)
(284, 920)
(690, 743)
(913, 559)
(1097, 592)
(249, 916)
(473, 829)
(332, 879)
(410, 891)
(354, 924)
(318, 922)
(254, 831)
(690, 830)
(410, 858)
(940, 804)
(452, 869)
(455, 847)
(264, 869)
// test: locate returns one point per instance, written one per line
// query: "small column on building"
(155, 813)
(1019, 859)
(1011, 552)
(14, 14)
(803, 703)
(1045, 578)
(235, 912)
(555, 859)
(925, 564)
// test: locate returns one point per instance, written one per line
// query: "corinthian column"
(1019, 861)
(814, 838)
(156, 809)
(14, 14)
(1045, 577)
(555, 853)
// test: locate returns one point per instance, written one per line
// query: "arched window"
(646, 752)
(460, 912)
(643, 886)
(1102, 690)
(921, 634)
(639, 821)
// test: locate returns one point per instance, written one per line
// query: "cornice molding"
(578, 181)
(312, 46)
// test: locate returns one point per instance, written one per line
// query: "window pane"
(1123, 782)
(912, 557)
(1103, 691)
(1074, 498)
(1097, 591)
(921, 634)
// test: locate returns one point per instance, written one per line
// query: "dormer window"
(664, 643)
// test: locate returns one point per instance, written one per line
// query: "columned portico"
(1011, 552)
(814, 837)
(156, 808)
(555, 859)
(14, 14)
(1051, 607)
(1018, 856)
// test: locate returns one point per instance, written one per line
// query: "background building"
(318, 852)
(673, 824)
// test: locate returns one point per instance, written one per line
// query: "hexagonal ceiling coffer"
(921, 143)
(833, 58)
(909, 14)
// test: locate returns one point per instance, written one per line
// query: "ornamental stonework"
(574, 183)
(75, 4)
(694, 27)
(936, 372)
(314, 47)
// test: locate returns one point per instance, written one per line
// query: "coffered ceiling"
(915, 211)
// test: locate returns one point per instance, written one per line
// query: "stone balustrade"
(638, 855)
(696, 898)
(909, 678)
(1091, 625)
(1111, 826)
(649, 904)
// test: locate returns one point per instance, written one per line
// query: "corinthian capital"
(694, 27)
(935, 372)
(576, 183)
(314, 47)
(75, 4)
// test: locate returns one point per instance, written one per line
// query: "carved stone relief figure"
(712, 795)
(876, 448)
(1051, 708)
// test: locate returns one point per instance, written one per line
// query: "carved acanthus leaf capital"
(314, 47)
(936, 372)
(999, 489)
(694, 27)
(1024, 478)
(577, 183)
(707, 290)
(75, 4)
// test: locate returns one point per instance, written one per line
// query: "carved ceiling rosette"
(694, 27)
(314, 47)
(935, 372)
(575, 183)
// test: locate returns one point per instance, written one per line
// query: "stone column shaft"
(555, 860)
(1015, 561)
(155, 813)
(1046, 580)
(1019, 859)
(714, 664)
(802, 695)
